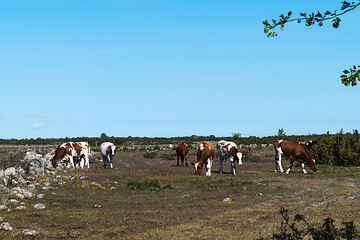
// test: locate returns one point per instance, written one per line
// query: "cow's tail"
(276, 145)
(89, 151)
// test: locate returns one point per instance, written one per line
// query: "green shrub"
(300, 229)
(150, 155)
(339, 149)
(148, 185)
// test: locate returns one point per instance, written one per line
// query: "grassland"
(152, 198)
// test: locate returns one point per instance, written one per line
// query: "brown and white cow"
(205, 156)
(182, 151)
(72, 151)
(228, 150)
(296, 152)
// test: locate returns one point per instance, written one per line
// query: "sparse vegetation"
(150, 155)
(300, 229)
(148, 185)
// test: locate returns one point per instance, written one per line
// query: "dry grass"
(192, 207)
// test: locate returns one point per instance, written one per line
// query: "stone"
(6, 226)
(13, 201)
(97, 185)
(3, 207)
(29, 233)
(32, 155)
(39, 206)
(20, 207)
(9, 172)
(20, 196)
(27, 193)
(41, 195)
(227, 199)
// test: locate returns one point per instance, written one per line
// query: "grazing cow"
(72, 151)
(228, 150)
(310, 144)
(107, 150)
(296, 151)
(205, 155)
(182, 150)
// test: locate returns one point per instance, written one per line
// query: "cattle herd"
(73, 154)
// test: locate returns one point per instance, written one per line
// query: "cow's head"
(198, 167)
(312, 165)
(54, 162)
(111, 149)
(183, 148)
(239, 157)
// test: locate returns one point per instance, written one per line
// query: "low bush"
(339, 149)
(300, 229)
(147, 185)
(150, 155)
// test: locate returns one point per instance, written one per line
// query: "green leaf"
(266, 30)
(319, 15)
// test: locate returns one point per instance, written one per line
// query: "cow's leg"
(186, 157)
(177, 160)
(221, 164)
(208, 167)
(303, 168)
(276, 160)
(110, 161)
(278, 154)
(182, 160)
(81, 161)
(104, 161)
(86, 161)
(232, 168)
(291, 164)
(71, 161)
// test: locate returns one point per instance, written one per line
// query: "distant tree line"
(118, 141)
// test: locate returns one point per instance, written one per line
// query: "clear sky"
(168, 68)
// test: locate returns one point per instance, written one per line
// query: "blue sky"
(172, 68)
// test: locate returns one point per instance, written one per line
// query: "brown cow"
(296, 151)
(182, 150)
(205, 156)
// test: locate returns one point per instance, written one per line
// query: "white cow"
(107, 150)
(228, 150)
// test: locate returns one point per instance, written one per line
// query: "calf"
(182, 150)
(228, 150)
(70, 150)
(296, 151)
(205, 155)
(107, 150)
